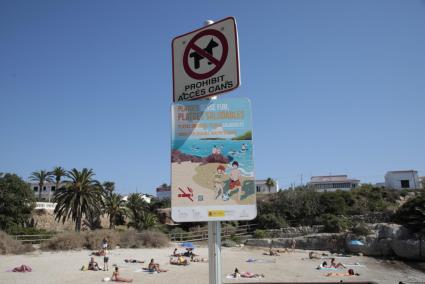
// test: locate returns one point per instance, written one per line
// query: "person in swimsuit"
(155, 267)
(116, 277)
(350, 272)
(235, 183)
(93, 265)
(105, 260)
(336, 265)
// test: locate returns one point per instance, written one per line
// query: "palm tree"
(58, 173)
(114, 207)
(41, 177)
(80, 196)
(138, 213)
(270, 183)
(109, 187)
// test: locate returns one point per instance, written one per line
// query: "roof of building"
(402, 171)
(335, 178)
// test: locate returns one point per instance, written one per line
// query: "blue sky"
(336, 86)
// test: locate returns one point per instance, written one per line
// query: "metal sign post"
(214, 252)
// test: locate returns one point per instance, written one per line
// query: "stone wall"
(45, 219)
(386, 240)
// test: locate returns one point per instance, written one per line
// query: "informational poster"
(212, 161)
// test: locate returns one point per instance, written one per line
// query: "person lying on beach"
(155, 267)
(116, 277)
(314, 255)
(93, 265)
(350, 272)
(130, 260)
(251, 275)
(22, 268)
(179, 261)
(271, 253)
(99, 253)
(198, 259)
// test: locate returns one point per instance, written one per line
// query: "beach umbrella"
(188, 245)
(356, 243)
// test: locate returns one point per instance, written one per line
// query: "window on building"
(405, 183)
(44, 188)
(258, 189)
(53, 188)
(35, 188)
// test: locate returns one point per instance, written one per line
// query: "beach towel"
(245, 275)
(106, 279)
(356, 264)
(253, 260)
(326, 268)
(150, 271)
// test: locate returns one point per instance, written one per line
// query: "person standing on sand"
(219, 181)
(235, 183)
(105, 260)
(293, 244)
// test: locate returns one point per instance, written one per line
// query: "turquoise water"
(233, 149)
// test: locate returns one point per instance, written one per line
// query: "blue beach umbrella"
(356, 243)
(188, 245)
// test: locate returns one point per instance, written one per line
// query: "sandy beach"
(64, 267)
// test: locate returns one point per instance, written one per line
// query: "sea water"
(235, 150)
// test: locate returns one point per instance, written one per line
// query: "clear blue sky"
(336, 86)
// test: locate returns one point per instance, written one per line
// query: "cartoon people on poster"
(219, 181)
(235, 185)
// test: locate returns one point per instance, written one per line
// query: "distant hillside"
(246, 136)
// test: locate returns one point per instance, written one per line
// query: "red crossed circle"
(217, 62)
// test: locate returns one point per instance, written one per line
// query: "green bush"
(361, 229)
(412, 214)
(333, 223)
(16, 201)
(260, 234)
(229, 243)
(271, 221)
(18, 230)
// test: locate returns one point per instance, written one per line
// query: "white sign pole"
(214, 236)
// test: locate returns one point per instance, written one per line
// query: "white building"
(402, 179)
(261, 187)
(163, 192)
(146, 197)
(47, 190)
(333, 183)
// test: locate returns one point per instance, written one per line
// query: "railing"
(33, 239)
(203, 234)
(45, 205)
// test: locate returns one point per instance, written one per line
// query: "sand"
(63, 267)
(202, 182)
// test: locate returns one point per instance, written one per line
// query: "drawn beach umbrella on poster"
(187, 245)
(356, 243)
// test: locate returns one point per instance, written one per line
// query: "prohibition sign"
(217, 62)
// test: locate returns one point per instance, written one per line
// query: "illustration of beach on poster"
(212, 169)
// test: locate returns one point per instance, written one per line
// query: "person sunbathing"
(152, 266)
(116, 277)
(271, 253)
(198, 259)
(93, 265)
(130, 260)
(350, 272)
(22, 268)
(179, 261)
(336, 265)
(251, 275)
